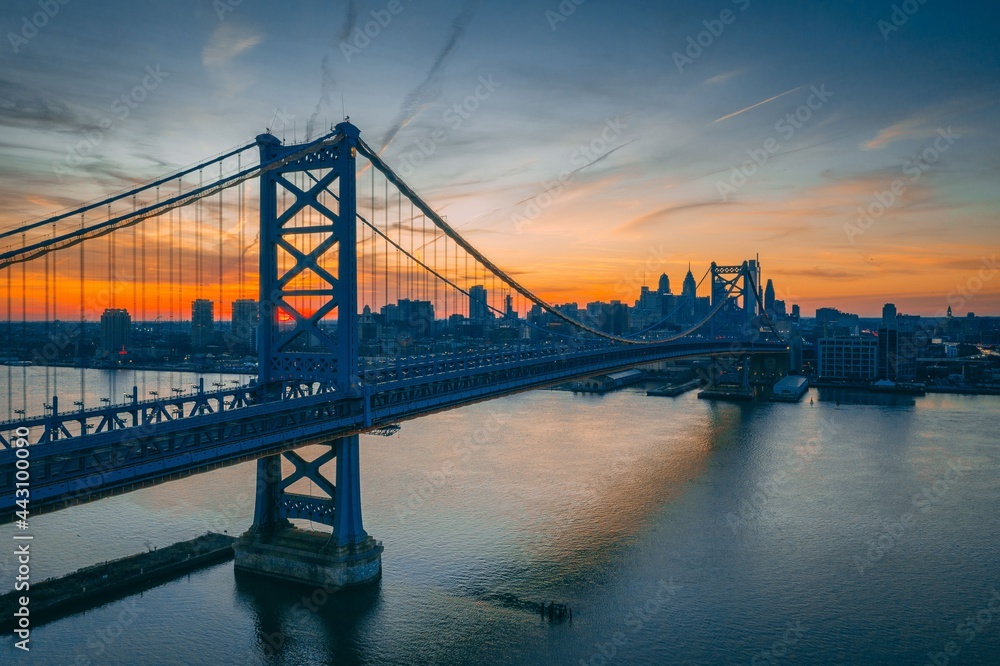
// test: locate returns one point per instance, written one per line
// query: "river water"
(678, 531)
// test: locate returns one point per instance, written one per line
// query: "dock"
(672, 390)
(99, 583)
(726, 393)
(610, 382)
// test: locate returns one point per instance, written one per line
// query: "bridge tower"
(298, 355)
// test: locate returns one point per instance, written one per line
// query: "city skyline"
(651, 134)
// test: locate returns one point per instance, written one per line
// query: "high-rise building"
(664, 287)
(690, 286)
(889, 316)
(416, 317)
(769, 297)
(368, 328)
(648, 309)
(478, 304)
(826, 316)
(897, 354)
(116, 331)
(796, 312)
(611, 317)
(246, 315)
(202, 322)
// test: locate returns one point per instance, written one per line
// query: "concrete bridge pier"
(273, 547)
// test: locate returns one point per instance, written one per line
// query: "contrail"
(428, 89)
(329, 81)
(754, 106)
(250, 246)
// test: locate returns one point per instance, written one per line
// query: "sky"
(850, 145)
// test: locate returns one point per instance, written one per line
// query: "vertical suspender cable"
(220, 243)
(10, 348)
(386, 241)
(111, 264)
(157, 328)
(24, 332)
(399, 231)
(135, 273)
(241, 262)
(48, 330)
(81, 338)
(55, 315)
(202, 242)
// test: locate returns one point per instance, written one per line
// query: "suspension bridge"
(340, 238)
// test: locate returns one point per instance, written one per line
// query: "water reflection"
(296, 624)
(861, 397)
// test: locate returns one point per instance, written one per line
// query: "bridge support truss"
(295, 348)
(733, 282)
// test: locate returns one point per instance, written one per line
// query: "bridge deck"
(144, 443)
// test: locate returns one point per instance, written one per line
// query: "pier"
(93, 585)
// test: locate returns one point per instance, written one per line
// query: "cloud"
(818, 272)
(639, 223)
(904, 129)
(926, 122)
(228, 41)
(723, 77)
(27, 107)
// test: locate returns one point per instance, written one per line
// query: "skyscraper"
(202, 322)
(889, 315)
(478, 304)
(769, 297)
(897, 354)
(690, 286)
(664, 287)
(246, 315)
(116, 331)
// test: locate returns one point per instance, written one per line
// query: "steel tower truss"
(295, 348)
